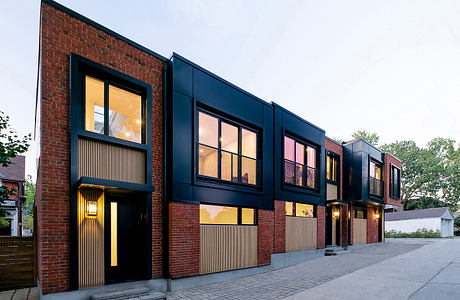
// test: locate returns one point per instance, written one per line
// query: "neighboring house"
(154, 168)
(412, 220)
(13, 177)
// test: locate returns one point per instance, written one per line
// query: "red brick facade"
(265, 234)
(388, 161)
(280, 227)
(62, 34)
(321, 225)
(184, 240)
(334, 147)
(372, 224)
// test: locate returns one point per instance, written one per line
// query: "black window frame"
(355, 211)
(294, 209)
(335, 156)
(378, 181)
(239, 216)
(317, 162)
(392, 183)
(219, 149)
(110, 80)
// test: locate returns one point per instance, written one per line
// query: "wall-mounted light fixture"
(336, 214)
(377, 216)
(91, 208)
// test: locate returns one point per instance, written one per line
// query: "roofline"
(334, 141)
(296, 116)
(178, 56)
(393, 156)
(103, 28)
(354, 141)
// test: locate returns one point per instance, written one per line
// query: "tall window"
(117, 113)
(375, 179)
(227, 151)
(300, 164)
(332, 166)
(395, 182)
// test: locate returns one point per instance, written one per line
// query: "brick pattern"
(321, 227)
(332, 146)
(12, 186)
(61, 35)
(184, 240)
(372, 225)
(344, 224)
(351, 222)
(280, 227)
(265, 225)
(388, 160)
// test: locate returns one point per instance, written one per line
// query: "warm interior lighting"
(377, 216)
(336, 214)
(138, 121)
(127, 134)
(91, 208)
(113, 234)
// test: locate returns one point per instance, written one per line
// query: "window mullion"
(240, 151)
(219, 147)
(106, 107)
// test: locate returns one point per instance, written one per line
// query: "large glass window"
(375, 179)
(226, 215)
(123, 114)
(395, 182)
(300, 161)
(300, 209)
(332, 167)
(220, 154)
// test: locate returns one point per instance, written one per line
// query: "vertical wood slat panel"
(331, 191)
(225, 248)
(359, 231)
(301, 233)
(90, 240)
(102, 160)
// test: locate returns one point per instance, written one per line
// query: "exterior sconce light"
(336, 214)
(91, 208)
(377, 216)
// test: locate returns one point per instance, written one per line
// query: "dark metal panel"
(225, 197)
(182, 77)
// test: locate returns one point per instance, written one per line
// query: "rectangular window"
(226, 215)
(300, 161)
(299, 209)
(122, 118)
(113, 234)
(395, 182)
(375, 179)
(360, 213)
(332, 169)
(227, 151)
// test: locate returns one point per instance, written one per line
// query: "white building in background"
(412, 220)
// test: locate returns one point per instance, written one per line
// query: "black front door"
(123, 237)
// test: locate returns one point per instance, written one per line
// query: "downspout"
(165, 176)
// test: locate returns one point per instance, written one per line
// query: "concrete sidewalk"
(20, 294)
(429, 272)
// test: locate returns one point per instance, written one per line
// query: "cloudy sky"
(391, 67)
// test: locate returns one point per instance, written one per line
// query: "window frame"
(381, 181)
(111, 80)
(392, 194)
(337, 175)
(239, 216)
(305, 164)
(294, 209)
(364, 210)
(219, 150)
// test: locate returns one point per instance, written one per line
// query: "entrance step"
(335, 250)
(140, 293)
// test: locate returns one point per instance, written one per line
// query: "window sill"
(111, 140)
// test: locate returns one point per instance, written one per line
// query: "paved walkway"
(302, 277)
(21, 294)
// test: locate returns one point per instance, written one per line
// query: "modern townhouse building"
(153, 168)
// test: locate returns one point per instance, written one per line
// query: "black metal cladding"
(192, 88)
(356, 158)
(287, 123)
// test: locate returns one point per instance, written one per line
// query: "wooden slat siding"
(102, 160)
(331, 191)
(382, 215)
(17, 262)
(359, 231)
(224, 248)
(301, 233)
(90, 240)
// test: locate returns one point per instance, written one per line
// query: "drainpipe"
(165, 176)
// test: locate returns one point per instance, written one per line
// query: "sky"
(390, 67)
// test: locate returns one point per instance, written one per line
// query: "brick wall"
(280, 227)
(388, 160)
(372, 225)
(11, 186)
(351, 222)
(344, 224)
(332, 146)
(321, 227)
(61, 35)
(184, 240)
(265, 225)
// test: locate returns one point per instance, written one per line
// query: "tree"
(28, 207)
(11, 145)
(369, 137)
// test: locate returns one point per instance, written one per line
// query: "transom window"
(113, 110)
(299, 209)
(332, 166)
(395, 182)
(300, 164)
(226, 150)
(227, 215)
(375, 179)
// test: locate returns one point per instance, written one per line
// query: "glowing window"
(113, 234)
(304, 210)
(289, 208)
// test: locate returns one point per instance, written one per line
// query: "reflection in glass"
(311, 178)
(311, 157)
(94, 105)
(249, 143)
(288, 148)
(299, 153)
(125, 114)
(304, 210)
(207, 163)
(299, 174)
(208, 130)
(214, 214)
(289, 172)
